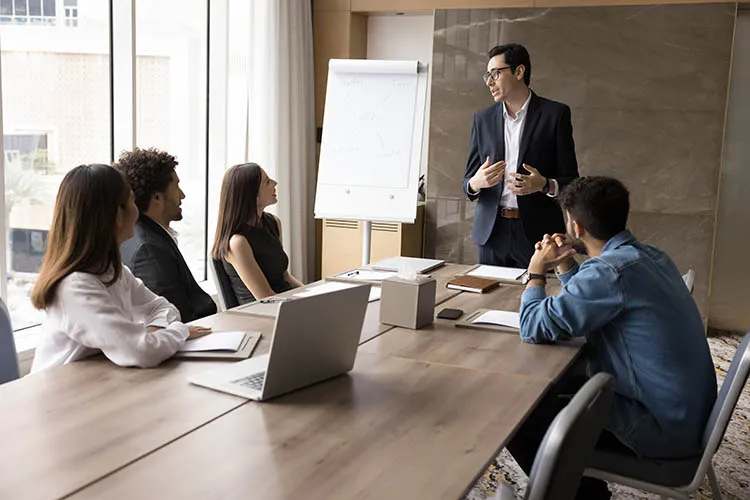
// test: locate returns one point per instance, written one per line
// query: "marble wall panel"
(647, 86)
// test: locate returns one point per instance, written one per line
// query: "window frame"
(122, 101)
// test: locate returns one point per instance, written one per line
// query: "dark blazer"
(153, 257)
(546, 144)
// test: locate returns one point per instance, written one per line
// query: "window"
(57, 110)
(27, 151)
(171, 60)
(45, 135)
(71, 12)
(28, 12)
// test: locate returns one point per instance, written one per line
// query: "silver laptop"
(314, 338)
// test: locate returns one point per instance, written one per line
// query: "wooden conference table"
(420, 416)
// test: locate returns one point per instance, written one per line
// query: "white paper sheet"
(501, 318)
(366, 275)
(497, 272)
(374, 294)
(329, 286)
(219, 341)
(413, 264)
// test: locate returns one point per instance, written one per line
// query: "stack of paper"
(327, 287)
(498, 273)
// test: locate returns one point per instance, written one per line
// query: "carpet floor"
(731, 462)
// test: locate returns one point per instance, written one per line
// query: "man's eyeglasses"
(494, 73)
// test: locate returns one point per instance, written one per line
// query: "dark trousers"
(507, 245)
(525, 443)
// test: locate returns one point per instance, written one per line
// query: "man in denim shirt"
(640, 322)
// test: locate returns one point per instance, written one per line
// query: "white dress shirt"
(87, 317)
(512, 136)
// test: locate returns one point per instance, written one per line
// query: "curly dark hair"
(148, 171)
(599, 204)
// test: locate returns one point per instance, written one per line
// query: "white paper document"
(413, 264)
(501, 318)
(497, 272)
(219, 341)
(366, 275)
(374, 294)
(327, 287)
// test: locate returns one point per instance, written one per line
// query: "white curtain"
(274, 64)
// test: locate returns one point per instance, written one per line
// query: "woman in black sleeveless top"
(248, 240)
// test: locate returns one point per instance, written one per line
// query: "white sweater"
(87, 317)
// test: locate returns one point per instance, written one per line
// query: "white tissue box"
(409, 303)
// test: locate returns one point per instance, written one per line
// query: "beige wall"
(729, 303)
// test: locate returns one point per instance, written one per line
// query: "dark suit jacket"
(546, 144)
(153, 257)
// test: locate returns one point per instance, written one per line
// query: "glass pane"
(171, 43)
(35, 7)
(49, 8)
(20, 7)
(6, 7)
(55, 116)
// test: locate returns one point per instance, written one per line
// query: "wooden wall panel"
(429, 5)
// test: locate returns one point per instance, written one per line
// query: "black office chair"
(568, 444)
(227, 298)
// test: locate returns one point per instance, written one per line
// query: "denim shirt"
(641, 325)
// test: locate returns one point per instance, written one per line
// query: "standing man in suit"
(521, 155)
(152, 254)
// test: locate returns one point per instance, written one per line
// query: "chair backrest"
(723, 409)
(569, 441)
(227, 298)
(689, 279)
(8, 356)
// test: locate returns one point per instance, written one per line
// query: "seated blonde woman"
(248, 240)
(93, 303)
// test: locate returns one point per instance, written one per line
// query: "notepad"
(472, 284)
(498, 273)
(219, 341)
(500, 318)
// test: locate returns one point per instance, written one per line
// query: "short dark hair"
(515, 55)
(148, 171)
(599, 204)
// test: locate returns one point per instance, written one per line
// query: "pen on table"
(352, 273)
(271, 300)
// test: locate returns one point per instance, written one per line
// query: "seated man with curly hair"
(152, 254)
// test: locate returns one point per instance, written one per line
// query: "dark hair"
(148, 171)
(599, 204)
(82, 236)
(238, 205)
(515, 56)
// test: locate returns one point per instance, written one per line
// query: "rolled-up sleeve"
(591, 297)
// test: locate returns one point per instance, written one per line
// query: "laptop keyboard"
(254, 381)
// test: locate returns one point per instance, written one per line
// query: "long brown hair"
(238, 205)
(82, 236)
